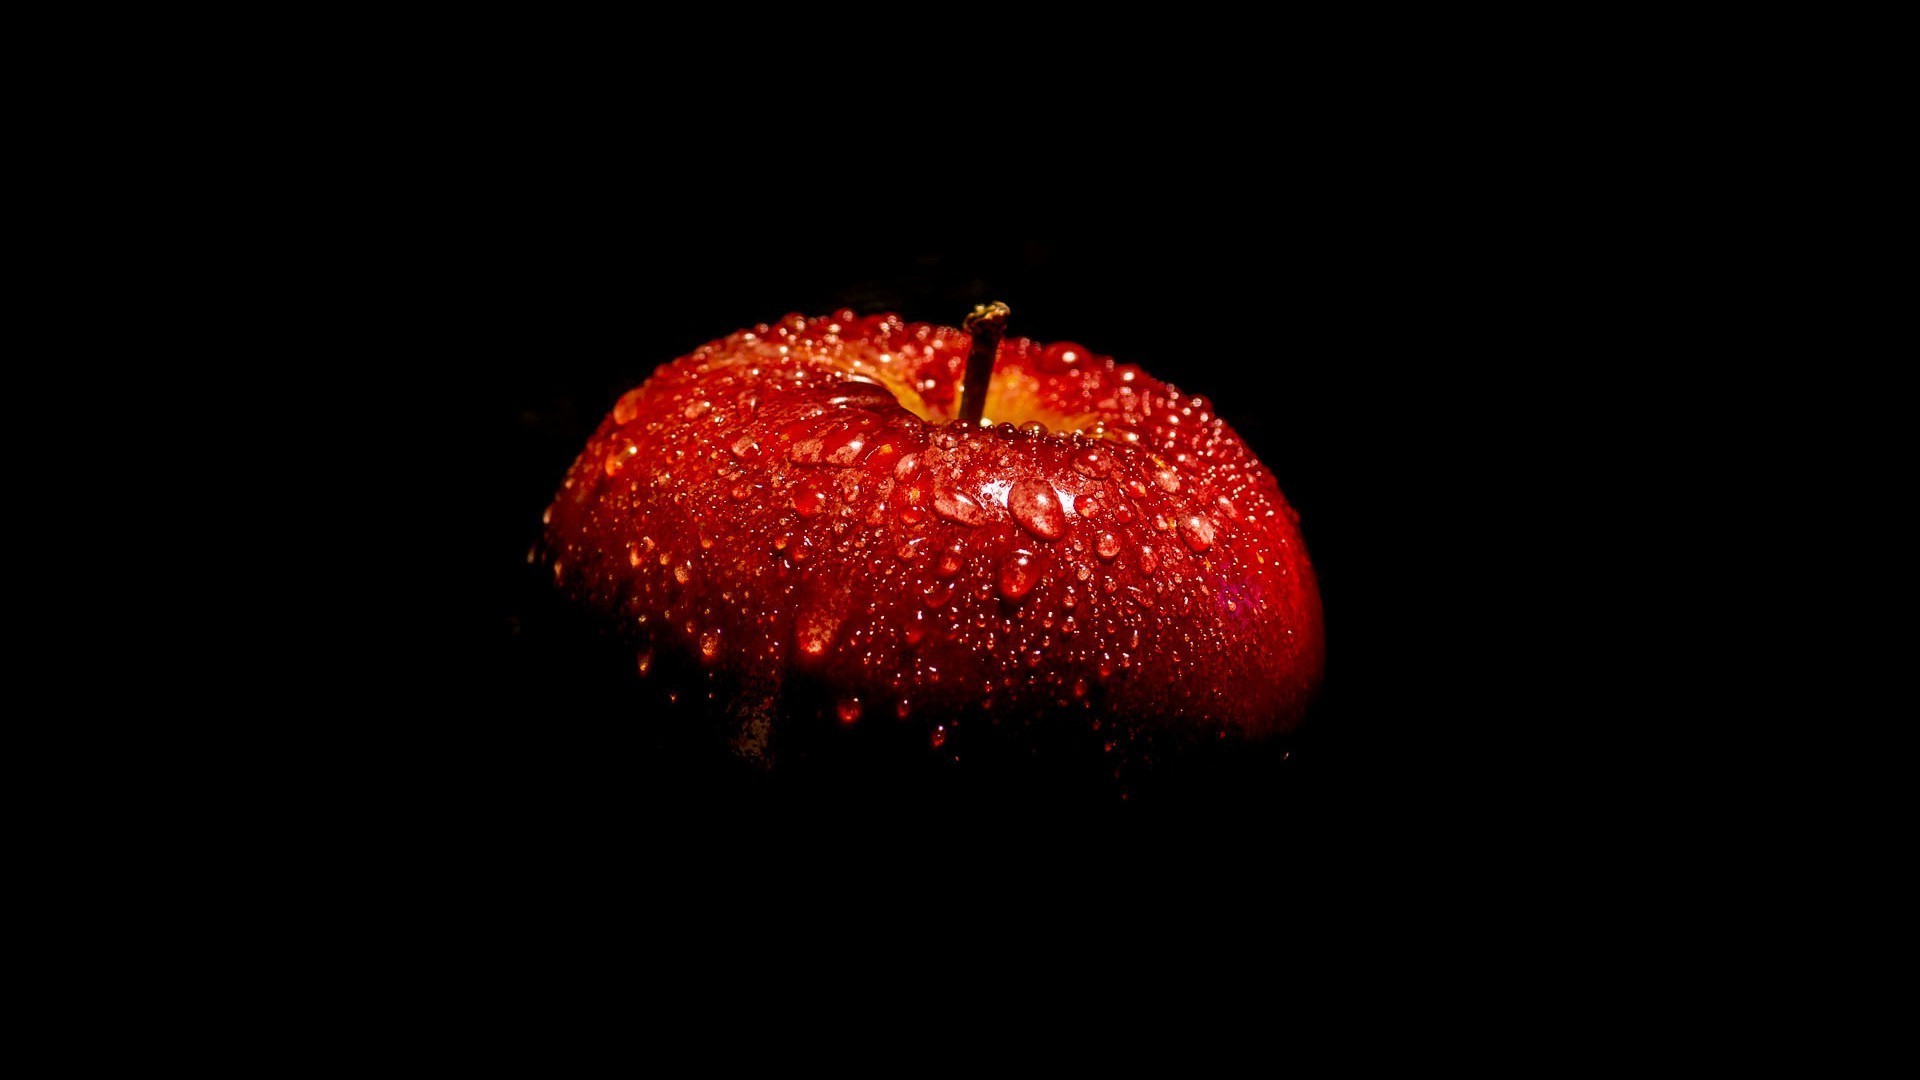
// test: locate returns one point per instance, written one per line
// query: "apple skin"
(786, 519)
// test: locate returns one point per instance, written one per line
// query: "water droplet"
(1036, 505)
(1197, 531)
(696, 410)
(1226, 507)
(1087, 506)
(1019, 573)
(741, 491)
(843, 447)
(1080, 688)
(683, 573)
(646, 661)
(619, 458)
(1168, 480)
(916, 630)
(1061, 357)
(939, 736)
(1080, 573)
(1033, 427)
(902, 707)
(634, 558)
(1149, 562)
(938, 593)
(905, 466)
(958, 508)
(1092, 463)
(1143, 597)
(1107, 546)
(848, 709)
(950, 561)
(814, 632)
(746, 448)
(809, 500)
(546, 517)
(627, 407)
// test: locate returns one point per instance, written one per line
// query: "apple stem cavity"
(987, 324)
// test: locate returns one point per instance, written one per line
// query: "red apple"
(793, 519)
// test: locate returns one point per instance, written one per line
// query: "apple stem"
(987, 324)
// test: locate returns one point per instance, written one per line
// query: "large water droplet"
(1168, 480)
(843, 447)
(683, 573)
(814, 631)
(1149, 562)
(627, 407)
(1087, 506)
(1061, 357)
(697, 409)
(709, 644)
(1019, 573)
(1036, 505)
(958, 508)
(745, 448)
(1107, 546)
(1197, 531)
(1092, 463)
(950, 561)
(618, 460)
(808, 500)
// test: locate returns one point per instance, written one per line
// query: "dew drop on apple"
(939, 736)
(1061, 357)
(618, 460)
(1092, 463)
(1197, 531)
(709, 644)
(1036, 506)
(1087, 505)
(683, 573)
(1107, 546)
(958, 508)
(1019, 573)
(746, 448)
(1149, 562)
(950, 561)
(645, 661)
(808, 500)
(697, 409)
(916, 628)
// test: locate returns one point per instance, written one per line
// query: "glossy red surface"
(790, 504)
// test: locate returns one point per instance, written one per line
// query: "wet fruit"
(795, 522)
